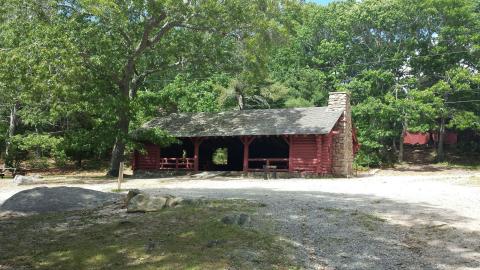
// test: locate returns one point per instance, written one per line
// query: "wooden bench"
(267, 169)
(12, 170)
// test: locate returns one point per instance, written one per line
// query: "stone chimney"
(342, 142)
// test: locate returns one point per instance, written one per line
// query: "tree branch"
(165, 29)
(147, 29)
(140, 79)
(200, 28)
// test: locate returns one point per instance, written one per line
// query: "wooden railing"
(281, 163)
(176, 163)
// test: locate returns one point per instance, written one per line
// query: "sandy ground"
(399, 220)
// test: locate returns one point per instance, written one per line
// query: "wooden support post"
(134, 160)
(245, 156)
(290, 153)
(196, 145)
(196, 150)
(158, 158)
(246, 144)
(120, 176)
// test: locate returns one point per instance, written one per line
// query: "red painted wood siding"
(150, 160)
(325, 167)
(312, 154)
(416, 138)
(450, 137)
(304, 153)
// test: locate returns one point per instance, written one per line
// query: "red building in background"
(315, 140)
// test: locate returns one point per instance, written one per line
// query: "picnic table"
(4, 169)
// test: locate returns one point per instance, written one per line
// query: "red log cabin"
(315, 140)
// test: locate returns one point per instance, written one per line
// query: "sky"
(323, 2)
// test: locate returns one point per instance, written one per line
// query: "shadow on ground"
(345, 231)
(188, 237)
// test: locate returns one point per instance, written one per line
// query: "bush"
(60, 159)
(43, 145)
(39, 163)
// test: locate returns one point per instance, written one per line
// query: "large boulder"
(173, 201)
(138, 201)
(57, 199)
(24, 180)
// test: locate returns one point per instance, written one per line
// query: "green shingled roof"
(313, 120)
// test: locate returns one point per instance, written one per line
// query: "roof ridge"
(249, 110)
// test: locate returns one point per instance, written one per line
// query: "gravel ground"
(380, 222)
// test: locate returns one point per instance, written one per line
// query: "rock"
(23, 179)
(212, 243)
(138, 201)
(173, 201)
(238, 219)
(131, 193)
(126, 223)
(243, 219)
(57, 199)
(144, 203)
(230, 219)
(150, 246)
(247, 259)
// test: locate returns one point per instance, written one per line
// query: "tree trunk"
(400, 146)
(11, 131)
(119, 147)
(394, 145)
(240, 101)
(441, 140)
(123, 123)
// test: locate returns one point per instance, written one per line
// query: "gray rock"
(213, 243)
(230, 219)
(57, 199)
(131, 193)
(144, 203)
(150, 246)
(23, 179)
(138, 201)
(243, 219)
(173, 201)
(238, 219)
(247, 259)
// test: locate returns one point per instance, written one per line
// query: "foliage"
(82, 75)
(220, 156)
(153, 135)
(41, 145)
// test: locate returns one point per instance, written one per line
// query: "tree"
(456, 104)
(129, 42)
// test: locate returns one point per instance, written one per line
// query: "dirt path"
(381, 222)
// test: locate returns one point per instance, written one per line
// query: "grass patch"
(177, 238)
(93, 178)
(457, 165)
(369, 221)
(116, 190)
